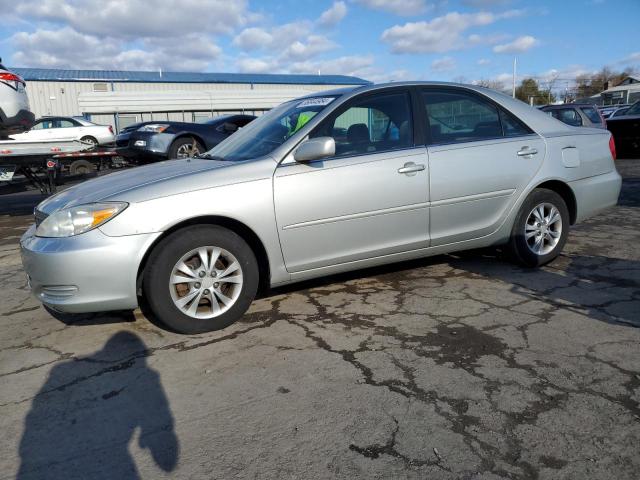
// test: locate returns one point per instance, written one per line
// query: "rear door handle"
(411, 168)
(527, 151)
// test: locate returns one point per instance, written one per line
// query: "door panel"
(474, 185)
(351, 208)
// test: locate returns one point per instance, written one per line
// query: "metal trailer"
(51, 157)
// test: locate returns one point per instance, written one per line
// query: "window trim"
(461, 90)
(333, 115)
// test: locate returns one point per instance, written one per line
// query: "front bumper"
(156, 145)
(91, 272)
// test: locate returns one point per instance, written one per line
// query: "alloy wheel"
(543, 229)
(206, 282)
(188, 150)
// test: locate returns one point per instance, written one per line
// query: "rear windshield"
(592, 114)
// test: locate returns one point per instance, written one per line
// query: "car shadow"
(83, 418)
(603, 288)
(101, 318)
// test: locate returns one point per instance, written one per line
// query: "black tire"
(90, 139)
(80, 167)
(170, 250)
(195, 146)
(518, 245)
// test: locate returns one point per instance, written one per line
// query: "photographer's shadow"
(83, 418)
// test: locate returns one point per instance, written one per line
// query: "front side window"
(375, 123)
(460, 117)
(65, 124)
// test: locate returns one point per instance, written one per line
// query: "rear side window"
(592, 114)
(568, 116)
(512, 127)
(458, 117)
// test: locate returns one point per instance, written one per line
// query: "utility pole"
(513, 93)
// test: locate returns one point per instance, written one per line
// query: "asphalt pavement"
(453, 367)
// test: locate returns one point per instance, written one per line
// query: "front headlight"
(76, 220)
(154, 127)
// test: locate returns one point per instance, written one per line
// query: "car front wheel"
(541, 228)
(200, 278)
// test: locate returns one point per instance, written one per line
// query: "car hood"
(120, 185)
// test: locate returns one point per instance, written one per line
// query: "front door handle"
(526, 151)
(411, 168)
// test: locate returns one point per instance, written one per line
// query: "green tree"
(529, 90)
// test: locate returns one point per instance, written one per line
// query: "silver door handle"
(411, 167)
(527, 151)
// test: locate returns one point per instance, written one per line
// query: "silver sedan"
(336, 181)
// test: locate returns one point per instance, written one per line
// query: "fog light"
(140, 143)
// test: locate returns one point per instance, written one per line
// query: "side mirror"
(315, 149)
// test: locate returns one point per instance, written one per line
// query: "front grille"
(39, 216)
(122, 142)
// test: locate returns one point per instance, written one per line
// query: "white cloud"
(131, 34)
(442, 34)
(333, 15)
(133, 19)
(633, 58)
(397, 7)
(67, 48)
(253, 39)
(483, 62)
(443, 64)
(345, 65)
(519, 45)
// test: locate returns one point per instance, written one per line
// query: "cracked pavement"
(453, 367)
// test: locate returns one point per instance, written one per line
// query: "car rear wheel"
(200, 278)
(185, 148)
(90, 140)
(541, 228)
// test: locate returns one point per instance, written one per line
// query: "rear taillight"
(612, 147)
(11, 77)
(111, 129)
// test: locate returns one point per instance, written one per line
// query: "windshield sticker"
(315, 102)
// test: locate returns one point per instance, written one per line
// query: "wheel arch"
(235, 226)
(565, 191)
(193, 135)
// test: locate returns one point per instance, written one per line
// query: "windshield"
(634, 109)
(268, 132)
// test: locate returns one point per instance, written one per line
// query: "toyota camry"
(335, 181)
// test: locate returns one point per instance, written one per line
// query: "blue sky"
(380, 40)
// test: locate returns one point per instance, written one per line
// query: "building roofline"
(63, 75)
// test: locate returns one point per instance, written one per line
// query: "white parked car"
(68, 128)
(15, 115)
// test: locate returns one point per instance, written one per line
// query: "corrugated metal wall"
(61, 98)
